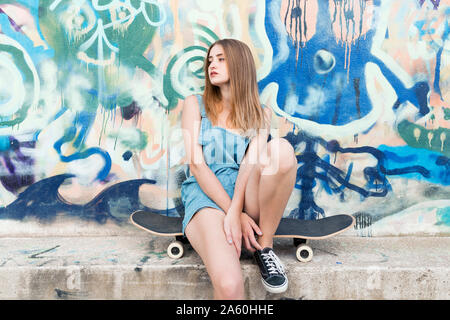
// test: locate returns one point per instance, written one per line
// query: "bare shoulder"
(191, 100)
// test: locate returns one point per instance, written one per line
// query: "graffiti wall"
(91, 97)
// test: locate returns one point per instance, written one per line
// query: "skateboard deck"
(299, 230)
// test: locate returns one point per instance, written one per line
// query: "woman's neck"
(225, 92)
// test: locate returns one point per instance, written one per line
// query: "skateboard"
(299, 230)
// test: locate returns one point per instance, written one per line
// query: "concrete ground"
(135, 266)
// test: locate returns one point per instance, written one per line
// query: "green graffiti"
(23, 77)
(131, 139)
(443, 216)
(124, 99)
(107, 42)
(204, 34)
(446, 113)
(431, 139)
(105, 46)
(184, 74)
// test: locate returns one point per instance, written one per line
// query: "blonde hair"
(246, 112)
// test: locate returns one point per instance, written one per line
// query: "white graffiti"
(122, 13)
(10, 77)
(17, 93)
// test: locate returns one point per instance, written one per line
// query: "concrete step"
(137, 267)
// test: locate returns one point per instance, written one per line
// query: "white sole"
(272, 289)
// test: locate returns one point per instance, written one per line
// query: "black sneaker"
(272, 271)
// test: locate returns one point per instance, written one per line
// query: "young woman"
(238, 182)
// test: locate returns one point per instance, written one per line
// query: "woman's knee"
(230, 286)
(282, 155)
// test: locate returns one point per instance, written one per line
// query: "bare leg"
(269, 188)
(206, 235)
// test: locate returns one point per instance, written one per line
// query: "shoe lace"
(274, 265)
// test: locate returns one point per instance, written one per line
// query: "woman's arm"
(256, 150)
(238, 224)
(207, 180)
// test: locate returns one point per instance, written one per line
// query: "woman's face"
(218, 68)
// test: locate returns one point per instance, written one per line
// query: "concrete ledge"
(124, 267)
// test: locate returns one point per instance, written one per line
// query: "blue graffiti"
(319, 80)
(12, 30)
(312, 168)
(316, 84)
(84, 121)
(12, 177)
(434, 2)
(42, 201)
(438, 166)
(443, 216)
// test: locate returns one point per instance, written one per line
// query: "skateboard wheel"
(304, 253)
(175, 250)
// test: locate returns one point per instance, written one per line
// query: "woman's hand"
(232, 228)
(238, 226)
(249, 227)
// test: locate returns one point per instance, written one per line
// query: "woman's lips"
(213, 74)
